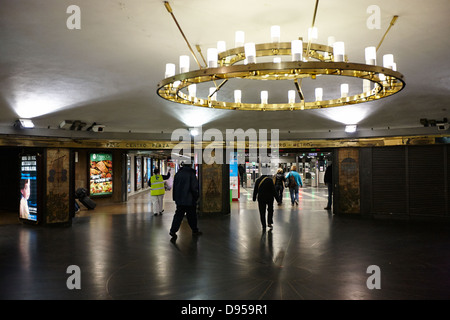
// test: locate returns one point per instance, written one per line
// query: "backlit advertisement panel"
(28, 188)
(100, 174)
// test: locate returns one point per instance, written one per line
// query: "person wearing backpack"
(293, 182)
(264, 191)
(279, 181)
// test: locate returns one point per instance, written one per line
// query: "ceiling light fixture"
(350, 128)
(24, 124)
(307, 60)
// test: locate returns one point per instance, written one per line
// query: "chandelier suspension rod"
(312, 26)
(299, 89)
(169, 9)
(218, 87)
(394, 18)
(201, 54)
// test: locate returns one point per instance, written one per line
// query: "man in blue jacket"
(185, 193)
(293, 181)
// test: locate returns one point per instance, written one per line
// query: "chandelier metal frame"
(321, 62)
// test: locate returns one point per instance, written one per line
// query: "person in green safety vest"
(157, 190)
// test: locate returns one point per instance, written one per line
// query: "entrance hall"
(124, 252)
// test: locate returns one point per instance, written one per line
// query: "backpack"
(291, 182)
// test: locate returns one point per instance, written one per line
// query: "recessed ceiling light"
(350, 128)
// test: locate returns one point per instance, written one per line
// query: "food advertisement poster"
(100, 176)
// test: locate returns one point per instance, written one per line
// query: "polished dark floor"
(124, 252)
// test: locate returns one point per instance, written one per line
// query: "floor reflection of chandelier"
(291, 61)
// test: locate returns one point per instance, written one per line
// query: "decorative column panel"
(348, 182)
(58, 203)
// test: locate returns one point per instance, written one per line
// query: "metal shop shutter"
(426, 177)
(389, 191)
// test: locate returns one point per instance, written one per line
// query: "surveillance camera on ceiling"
(98, 128)
(443, 126)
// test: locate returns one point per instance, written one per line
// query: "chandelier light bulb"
(264, 97)
(344, 90)
(221, 46)
(237, 96)
(296, 50)
(367, 85)
(319, 94)
(291, 96)
(192, 89)
(211, 55)
(214, 96)
(313, 34)
(331, 41)
(371, 55)
(339, 51)
(388, 61)
(239, 39)
(184, 64)
(275, 33)
(250, 52)
(170, 70)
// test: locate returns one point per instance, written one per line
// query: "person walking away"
(264, 191)
(280, 180)
(241, 170)
(293, 181)
(185, 193)
(157, 190)
(328, 180)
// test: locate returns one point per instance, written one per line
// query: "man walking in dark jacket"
(265, 192)
(328, 180)
(185, 193)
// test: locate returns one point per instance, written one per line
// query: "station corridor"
(124, 252)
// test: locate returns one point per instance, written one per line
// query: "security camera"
(98, 128)
(443, 126)
(66, 124)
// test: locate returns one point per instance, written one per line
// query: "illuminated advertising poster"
(28, 188)
(138, 173)
(100, 174)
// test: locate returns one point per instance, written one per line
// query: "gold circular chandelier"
(307, 60)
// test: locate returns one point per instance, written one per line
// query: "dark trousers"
(262, 212)
(279, 190)
(330, 194)
(191, 215)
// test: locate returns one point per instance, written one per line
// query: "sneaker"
(270, 226)
(197, 233)
(173, 235)
(296, 202)
(155, 214)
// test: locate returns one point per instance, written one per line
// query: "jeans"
(294, 194)
(191, 215)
